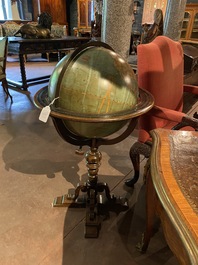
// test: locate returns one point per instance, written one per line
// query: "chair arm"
(191, 89)
(187, 121)
(166, 114)
(180, 118)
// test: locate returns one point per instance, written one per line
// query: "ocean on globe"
(93, 83)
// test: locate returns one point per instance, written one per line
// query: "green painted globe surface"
(93, 83)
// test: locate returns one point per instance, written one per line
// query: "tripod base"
(97, 205)
(68, 200)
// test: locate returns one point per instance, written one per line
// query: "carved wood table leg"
(23, 73)
(150, 214)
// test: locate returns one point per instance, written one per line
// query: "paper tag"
(44, 115)
(45, 112)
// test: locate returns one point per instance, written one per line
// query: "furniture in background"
(149, 8)
(82, 32)
(3, 58)
(171, 192)
(85, 12)
(57, 31)
(23, 47)
(134, 42)
(57, 9)
(190, 64)
(160, 71)
(64, 51)
(9, 28)
(189, 31)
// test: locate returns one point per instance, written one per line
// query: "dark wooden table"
(20, 46)
(172, 189)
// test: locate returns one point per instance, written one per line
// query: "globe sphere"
(95, 88)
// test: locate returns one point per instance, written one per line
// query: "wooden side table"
(172, 192)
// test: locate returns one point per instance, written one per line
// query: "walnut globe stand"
(92, 189)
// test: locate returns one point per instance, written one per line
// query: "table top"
(18, 45)
(65, 38)
(174, 171)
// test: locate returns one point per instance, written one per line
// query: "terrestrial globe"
(96, 92)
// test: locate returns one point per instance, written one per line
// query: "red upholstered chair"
(160, 70)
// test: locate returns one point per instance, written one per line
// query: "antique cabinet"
(85, 13)
(149, 9)
(189, 31)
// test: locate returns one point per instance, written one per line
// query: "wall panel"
(57, 9)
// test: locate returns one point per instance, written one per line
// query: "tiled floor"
(36, 166)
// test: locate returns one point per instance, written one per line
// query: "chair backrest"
(3, 53)
(160, 71)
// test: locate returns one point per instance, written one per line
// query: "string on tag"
(45, 112)
(53, 101)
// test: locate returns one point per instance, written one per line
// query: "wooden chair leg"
(48, 56)
(5, 88)
(25, 57)
(136, 150)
